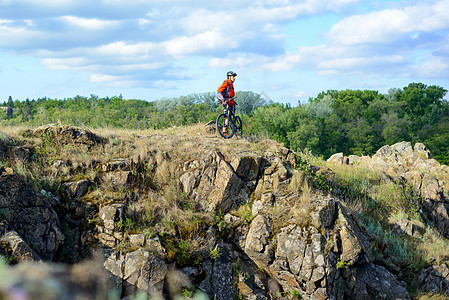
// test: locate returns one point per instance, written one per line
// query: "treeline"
(117, 112)
(351, 121)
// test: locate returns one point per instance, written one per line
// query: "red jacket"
(227, 90)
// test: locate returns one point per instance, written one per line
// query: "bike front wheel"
(225, 126)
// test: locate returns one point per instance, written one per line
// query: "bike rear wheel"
(225, 126)
(238, 126)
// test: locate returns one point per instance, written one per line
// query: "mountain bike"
(228, 123)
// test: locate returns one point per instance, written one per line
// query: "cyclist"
(226, 93)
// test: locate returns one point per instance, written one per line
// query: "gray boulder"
(13, 245)
(434, 279)
(31, 215)
(376, 282)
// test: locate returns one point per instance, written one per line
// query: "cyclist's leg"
(226, 121)
(225, 126)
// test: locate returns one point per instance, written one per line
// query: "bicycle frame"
(224, 119)
(229, 112)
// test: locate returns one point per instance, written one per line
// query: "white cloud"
(103, 78)
(390, 24)
(59, 64)
(432, 67)
(126, 42)
(18, 36)
(122, 48)
(284, 63)
(238, 61)
(208, 40)
(89, 24)
(302, 94)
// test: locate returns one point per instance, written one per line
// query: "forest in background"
(350, 121)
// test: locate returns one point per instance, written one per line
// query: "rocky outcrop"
(265, 232)
(32, 216)
(67, 135)
(214, 183)
(414, 165)
(317, 260)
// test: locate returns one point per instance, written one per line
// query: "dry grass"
(303, 207)
(434, 247)
(433, 296)
(14, 131)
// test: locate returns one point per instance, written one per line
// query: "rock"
(114, 264)
(246, 165)
(422, 150)
(77, 189)
(376, 282)
(387, 155)
(190, 181)
(355, 247)
(111, 215)
(406, 227)
(325, 214)
(31, 215)
(257, 245)
(19, 153)
(68, 135)
(3, 148)
(219, 281)
(144, 271)
(120, 178)
(266, 201)
(433, 279)
(219, 188)
(137, 240)
(211, 127)
(431, 189)
(14, 245)
(338, 158)
(155, 247)
(403, 148)
(286, 155)
(275, 179)
(414, 178)
(438, 213)
(118, 164)
(252, 283)
(292, 244)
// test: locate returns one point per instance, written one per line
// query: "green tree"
(10, 102)
(248, 102)
(360, 138)
(423, 104)
(395, 129)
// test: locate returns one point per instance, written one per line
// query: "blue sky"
(290, 50)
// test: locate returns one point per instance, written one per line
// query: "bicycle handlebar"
(226, 100)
